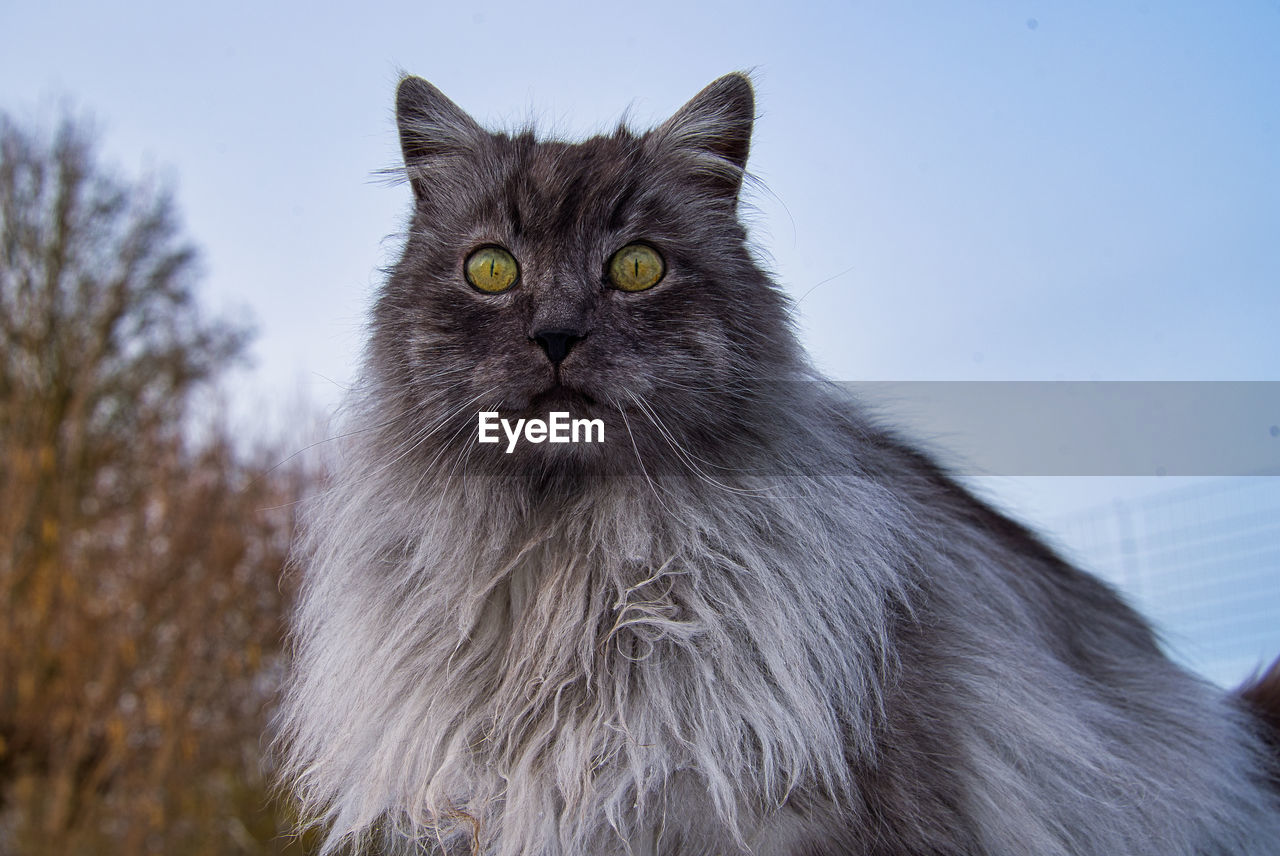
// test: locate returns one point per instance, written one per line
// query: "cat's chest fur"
(565, 685)
(625, 660)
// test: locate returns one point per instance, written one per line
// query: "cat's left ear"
(715, 129)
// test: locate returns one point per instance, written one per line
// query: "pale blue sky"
(1000, 190)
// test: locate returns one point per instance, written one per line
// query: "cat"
(750, 621)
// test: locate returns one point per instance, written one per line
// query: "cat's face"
(609, 278)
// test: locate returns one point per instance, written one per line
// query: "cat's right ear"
(433, 131)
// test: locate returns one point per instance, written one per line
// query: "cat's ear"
(715, 128)
(433, 130)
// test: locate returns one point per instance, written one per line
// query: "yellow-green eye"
(491, 270)
(636, 267)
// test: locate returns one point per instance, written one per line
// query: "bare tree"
(139, 568)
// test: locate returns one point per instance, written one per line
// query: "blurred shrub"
(140, 560)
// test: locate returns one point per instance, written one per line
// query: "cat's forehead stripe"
(555, 187)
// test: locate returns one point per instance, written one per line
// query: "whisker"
(640, 459)
(413, 441)
(687, 460)
(666, 432)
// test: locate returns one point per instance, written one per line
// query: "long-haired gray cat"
(746, 620)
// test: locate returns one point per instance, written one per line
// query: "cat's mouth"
(560, 397)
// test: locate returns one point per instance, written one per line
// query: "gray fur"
(752, 621)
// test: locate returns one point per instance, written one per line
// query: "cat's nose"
(557, 343)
